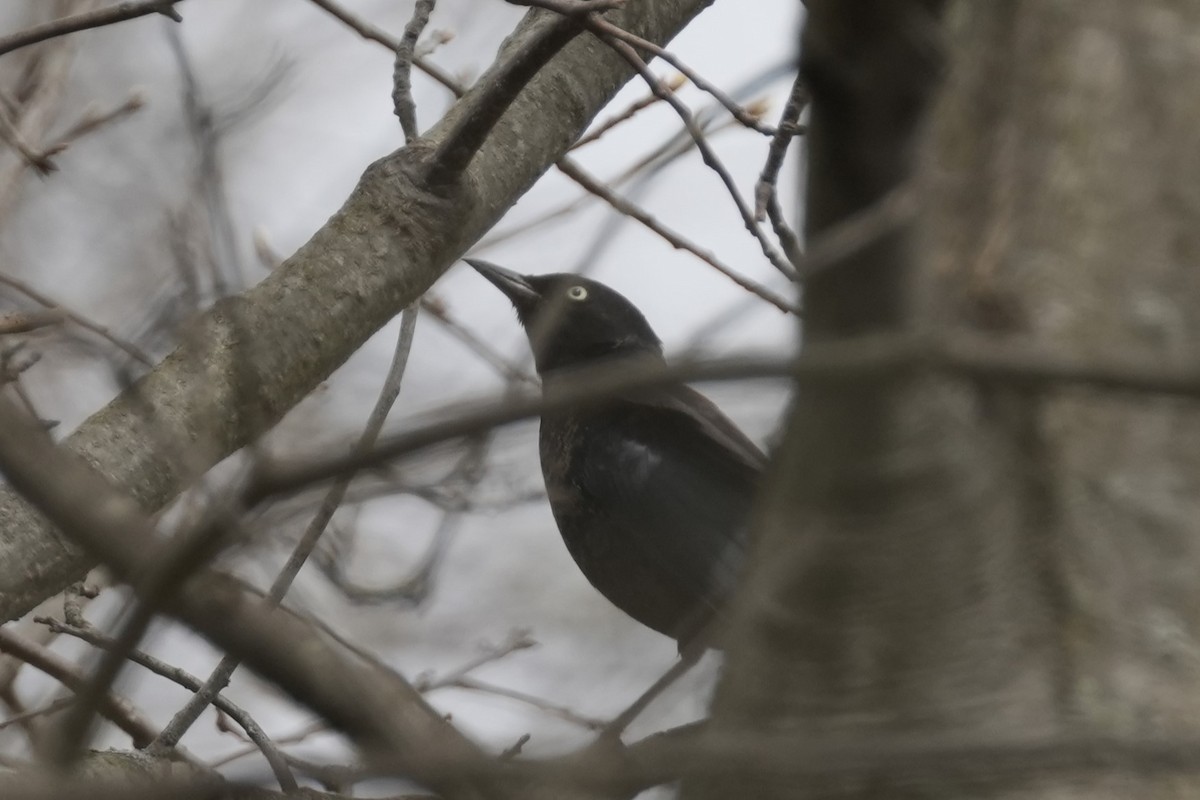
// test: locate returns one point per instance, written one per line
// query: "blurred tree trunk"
(963, 563)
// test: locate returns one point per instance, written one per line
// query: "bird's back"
(651, 494)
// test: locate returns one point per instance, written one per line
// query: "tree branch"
(375, 707)
(854, 361)
(392, 238)
(88, 19)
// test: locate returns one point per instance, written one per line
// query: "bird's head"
(572, 321)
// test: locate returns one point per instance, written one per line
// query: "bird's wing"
(676, 471)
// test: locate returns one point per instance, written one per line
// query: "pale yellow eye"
(577, 293)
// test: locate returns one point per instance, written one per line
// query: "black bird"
(652, 491)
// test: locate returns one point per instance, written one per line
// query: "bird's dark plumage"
(652, 491)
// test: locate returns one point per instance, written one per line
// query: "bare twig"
(787, 129)
(359, 25)
(572, 170)
(291, 738)
(619, 723)
(554, 709)
(43, 88)
(506, 368)
(225, 262)
(93, 119)
(915, 764)
(766, 195)
(514, 749)
(652, 162)
(34, 713)
(710, 158)
(185, 679)
(33, 156)
(872, 357)
(459, 145)
(519, 639)
(623, 43)
(671, 84)
(88, 19)
(185, 553)
(27, 321)
(415, 588)
(740, 113)
(221, 674)
(114, 708)
(372, 705)
(402, 100)
(336, 778)
(375, 34)
(77, 319)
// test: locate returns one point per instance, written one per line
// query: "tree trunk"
(964, 571)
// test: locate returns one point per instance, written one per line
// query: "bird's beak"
(514, 285)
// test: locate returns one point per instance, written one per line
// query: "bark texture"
(1065, 179)
(950, 563)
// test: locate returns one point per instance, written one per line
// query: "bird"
(651, 491)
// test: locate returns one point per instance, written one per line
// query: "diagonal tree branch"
(374, 706)
(118, 12)
(393, 237)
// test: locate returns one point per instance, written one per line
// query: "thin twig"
(506, 368)
(740, 113)
(589, 13)
(373, 705)
(787, 129)
(766, 194)
(402, 99)
(335, 778)
(88, 19)
(710, 158)
(554, 709)
(44, 86)
(27, 321)
(519, 639)
(609, 34)
(225, 261)
(375, 34)
(672, 84)
(34, 713)
(76, 318)
(219, 678)
(185, 553)
(572, 170)
(415, 588)
(91, 120)
(38, 159)
(291, 738)
(873, 357)
(620, 722)
(654, 161)
(262, 742)
(94, 119)
(113, 707)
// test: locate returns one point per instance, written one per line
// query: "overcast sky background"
(94, 235)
